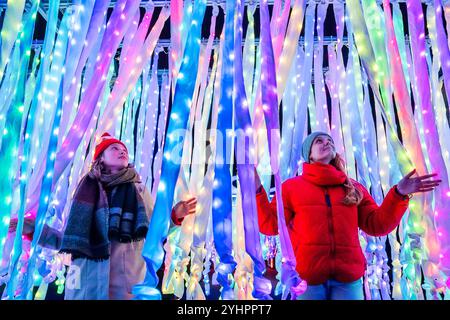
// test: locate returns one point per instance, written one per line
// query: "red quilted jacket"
(324, 231)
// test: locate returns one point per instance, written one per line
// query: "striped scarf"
(104, 209)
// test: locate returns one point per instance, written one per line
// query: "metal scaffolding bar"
(327, 40)
(161, 3)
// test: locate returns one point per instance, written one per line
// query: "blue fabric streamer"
(153, 252)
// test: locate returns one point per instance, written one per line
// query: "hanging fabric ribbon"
(110, 42)
(442, 200)
(153, 251)
(11, 29)
(17, 116)
(290, 278)
(13, 114)
(245, 167)
(92, 42)
(56, 87)
(300, 126)
(222, 209)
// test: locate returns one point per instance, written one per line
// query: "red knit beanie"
(105, 142)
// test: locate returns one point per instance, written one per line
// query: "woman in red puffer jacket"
(324, 209)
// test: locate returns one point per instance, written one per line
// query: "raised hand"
(423, 183)
(184, 208)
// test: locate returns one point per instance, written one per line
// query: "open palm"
(184, 208)
(410, 184)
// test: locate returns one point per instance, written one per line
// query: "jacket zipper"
(330, 229)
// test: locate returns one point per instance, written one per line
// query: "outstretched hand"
(185, 208)
(423, 183)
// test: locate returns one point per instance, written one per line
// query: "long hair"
(97, 167)
(353, 195)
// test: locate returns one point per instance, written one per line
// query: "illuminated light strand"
(162, 121)
(438, 96)
(51, 143)
(153, 251)
(412, 231)
(175, 53)
(368, 57)
(13, 116)
(210, 255)
(10, 30)
(321, 123)
(149, 110)
(290, 105)
(290, 43)
(198, 179)
(128, 78)
(442, 201)
(78, 41)
(110, 42)
(186, 183)
(410, 134)
(9, 187)
(379, 65)
(261, 286)
(336, 125)
(287, 49)
(204, 198)
(222, 195)
(249, 62)
(194, 155)
(360, 130)
(300, 124)
(90, 50)
(179, 26)
(345, 111)
(131, 57)
(365, 142)
(435, 277)
(292, 282)
(33, 143)
(150, 130)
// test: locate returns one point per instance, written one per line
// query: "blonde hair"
(353, 195)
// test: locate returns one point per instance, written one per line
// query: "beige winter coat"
(121, 271)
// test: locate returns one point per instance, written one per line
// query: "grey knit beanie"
(307, 143)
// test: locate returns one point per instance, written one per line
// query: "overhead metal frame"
(161, 3)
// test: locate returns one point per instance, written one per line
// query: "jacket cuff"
(50, 238)
(175, 220)
(401, 196)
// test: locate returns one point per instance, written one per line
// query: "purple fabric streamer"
(262, 287)
(115, 31)
(444, 52)
(289, 276)
(442, 200)
(97, 18)
(301, 125)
